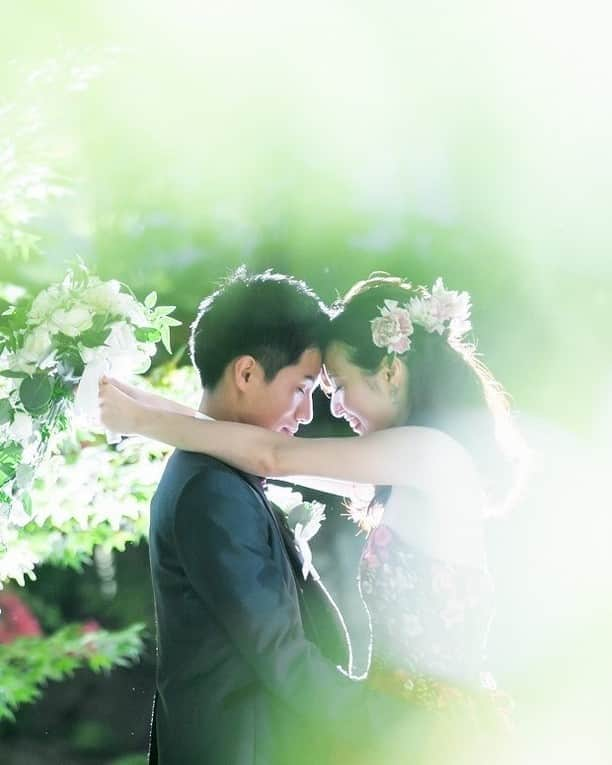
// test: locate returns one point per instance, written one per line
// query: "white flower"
(31, 448)
(460, 323)
(308, 530)
(451, 306)
(311, 515)
(392, 329)
(19, 559)
(7, 384)
(21, 428)
(44, 304)
(128, 306)
(305, 552)
(37, 345)
(304, 532)
(441, 310)
(24, 475)
(122, 339)
(140, 362)
(421, 313)
(125, 355)
(283, 497)
(73, 321)
(102, 296)
(17, 514)
(20, 364)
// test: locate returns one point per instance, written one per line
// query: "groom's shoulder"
(184, 467)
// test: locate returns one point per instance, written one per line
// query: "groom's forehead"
(315, 379)
(310, 375)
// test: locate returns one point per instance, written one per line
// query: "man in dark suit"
(248, 651)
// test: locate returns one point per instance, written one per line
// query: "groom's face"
(285, 402)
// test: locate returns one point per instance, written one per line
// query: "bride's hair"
(449, 387)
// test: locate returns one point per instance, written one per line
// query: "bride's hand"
(130, 390)
(118, 412)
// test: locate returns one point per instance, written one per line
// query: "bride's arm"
(407, 456)
(327, 485)
(152, 399)
(352, 489)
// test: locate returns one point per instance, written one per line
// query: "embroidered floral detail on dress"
(430, 618)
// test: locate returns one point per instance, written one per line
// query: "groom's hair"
(269, 316)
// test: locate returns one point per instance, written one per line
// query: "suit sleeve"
(223, 545)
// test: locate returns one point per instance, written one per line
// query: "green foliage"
(35, 393)
(89, 494)
(130, 759)
(28, 664)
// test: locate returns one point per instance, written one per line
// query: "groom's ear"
(245, 368)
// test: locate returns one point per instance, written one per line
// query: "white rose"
(90, 355)
(284, 497)
(129, 307)
(140, 362)
(103, 296)
(20, 364)
(122, 341)
(149, 348)
(21, 428)
(73, 321)
(44, 304)
(37, 345)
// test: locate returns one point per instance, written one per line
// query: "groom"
(247, 650)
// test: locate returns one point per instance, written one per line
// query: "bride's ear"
(245, 369)
(394, 373)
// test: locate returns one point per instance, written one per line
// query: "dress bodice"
(430, 617)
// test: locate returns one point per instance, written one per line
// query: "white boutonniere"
(303, 518)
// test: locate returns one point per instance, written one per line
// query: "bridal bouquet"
(303, 518)
(52, 352)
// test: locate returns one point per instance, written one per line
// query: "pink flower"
(370, 559)
(392, 329)
(91, 625)
(16, 619)
(381, 536)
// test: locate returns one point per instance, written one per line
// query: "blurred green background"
(465, 140)
(167, 143)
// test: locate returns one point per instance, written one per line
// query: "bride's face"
(363, 400)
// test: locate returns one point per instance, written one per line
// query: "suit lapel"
(283, 529)
(316, 604)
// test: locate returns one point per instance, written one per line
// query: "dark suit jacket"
(246, 650)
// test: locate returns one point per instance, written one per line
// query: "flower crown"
(440, 311)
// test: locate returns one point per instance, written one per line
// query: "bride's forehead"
(336, 360)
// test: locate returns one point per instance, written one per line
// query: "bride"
(438, 445)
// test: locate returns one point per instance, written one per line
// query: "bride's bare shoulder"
(441, 456)
(427, 437)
